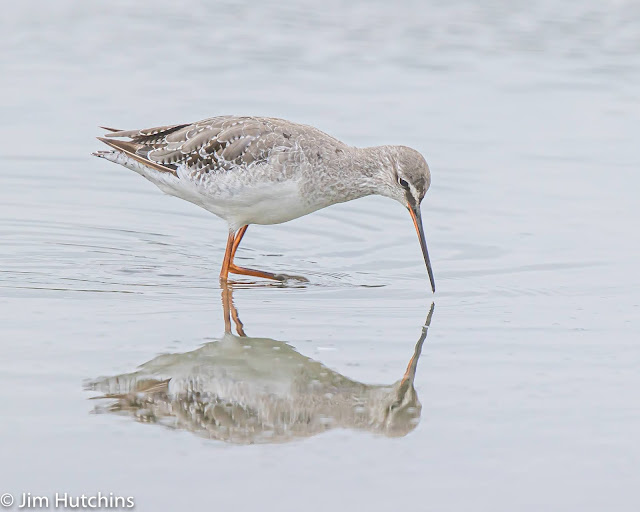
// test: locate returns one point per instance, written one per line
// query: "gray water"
(526, 391)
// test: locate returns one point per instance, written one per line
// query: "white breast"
(241, 199)
(241, 196)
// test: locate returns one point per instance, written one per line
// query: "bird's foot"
(233, 269)
(288, 277)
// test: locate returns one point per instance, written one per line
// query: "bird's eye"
(403, 183)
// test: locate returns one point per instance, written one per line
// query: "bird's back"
(221, 143)
(247, 170)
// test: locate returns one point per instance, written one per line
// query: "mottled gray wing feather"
(211, 145)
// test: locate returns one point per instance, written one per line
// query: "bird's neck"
(348, 173)
(375, 161)
(370, 168)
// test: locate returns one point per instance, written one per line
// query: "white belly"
(266, 203)
(239, 197)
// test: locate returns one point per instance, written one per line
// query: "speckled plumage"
(260, 170)
(226, 160)
(243, 390)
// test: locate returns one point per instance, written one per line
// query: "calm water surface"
(525, 395)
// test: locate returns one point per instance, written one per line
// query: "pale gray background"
(528, 116)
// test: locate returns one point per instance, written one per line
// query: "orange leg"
(243, 271)
(236, 242)
(226, 262)
(230, 311)
(236, 319)
(229, 266)
(226, 308)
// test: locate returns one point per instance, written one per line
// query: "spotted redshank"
(259, 170)
(243, 390)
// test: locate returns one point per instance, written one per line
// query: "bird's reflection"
(242, 389)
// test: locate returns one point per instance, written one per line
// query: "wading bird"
(258, 170)
(241, 390)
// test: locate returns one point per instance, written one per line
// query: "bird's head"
(407, 175)
(406, 178)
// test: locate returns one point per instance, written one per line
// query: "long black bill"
(417, 222)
